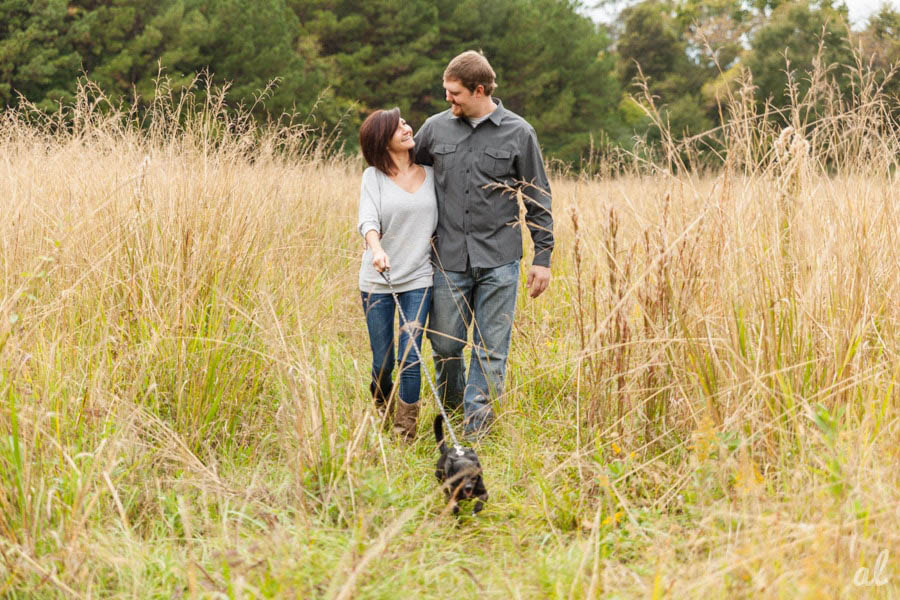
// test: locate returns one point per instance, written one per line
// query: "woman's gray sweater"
(406, 222)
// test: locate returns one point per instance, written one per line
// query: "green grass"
(702, 405)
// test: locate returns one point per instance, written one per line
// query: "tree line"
(335, 60)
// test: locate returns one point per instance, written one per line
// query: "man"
(480, 152)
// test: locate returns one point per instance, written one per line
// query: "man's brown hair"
(374, 135)
(472, 69)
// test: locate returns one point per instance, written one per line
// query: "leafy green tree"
(795, 32)
(35, 59)
(880, 42)
(715, 30)
(651, 43)
(884, 28)
(654, 44)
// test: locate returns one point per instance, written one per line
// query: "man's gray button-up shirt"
(474, 169)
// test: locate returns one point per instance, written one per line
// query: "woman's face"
(402, 140)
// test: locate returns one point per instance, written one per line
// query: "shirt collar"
(494, 117)
(497, 116)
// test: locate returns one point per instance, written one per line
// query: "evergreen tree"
(124, 43)
(35, 59)
(340, 59)
(553, 68)
(382, 51)
(550, 61)
(256, 42)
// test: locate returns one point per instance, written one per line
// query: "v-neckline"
(404, 190)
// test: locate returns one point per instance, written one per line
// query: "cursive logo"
(877, 577)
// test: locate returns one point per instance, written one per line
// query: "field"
(702, 405)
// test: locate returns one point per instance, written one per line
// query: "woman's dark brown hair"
(374, 136)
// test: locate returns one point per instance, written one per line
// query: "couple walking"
(455, 182)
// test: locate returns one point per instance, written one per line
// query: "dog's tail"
(439, 432)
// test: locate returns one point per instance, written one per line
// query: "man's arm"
(538, 215)
(423, 145)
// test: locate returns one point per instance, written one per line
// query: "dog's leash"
(412, 338)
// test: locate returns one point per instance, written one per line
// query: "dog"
(459, 472)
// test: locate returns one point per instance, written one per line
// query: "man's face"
(462, 101)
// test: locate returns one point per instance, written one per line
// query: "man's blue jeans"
(485, 298)
(379, 310)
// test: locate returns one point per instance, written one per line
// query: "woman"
(397, 217)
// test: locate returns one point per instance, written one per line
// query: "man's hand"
(538, 280)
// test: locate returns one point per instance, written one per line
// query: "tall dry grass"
(703, 404)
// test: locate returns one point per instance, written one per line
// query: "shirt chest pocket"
(443, 156)
(497, 162)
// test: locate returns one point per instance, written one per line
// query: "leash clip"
(459, 450)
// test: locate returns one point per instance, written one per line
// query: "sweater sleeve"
(369, 203)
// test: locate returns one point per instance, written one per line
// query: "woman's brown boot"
(406, 418)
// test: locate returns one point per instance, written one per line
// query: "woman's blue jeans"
(379, 310)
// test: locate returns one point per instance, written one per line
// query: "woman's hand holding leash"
(380, 260)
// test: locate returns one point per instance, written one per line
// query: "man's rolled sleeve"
(536, 192)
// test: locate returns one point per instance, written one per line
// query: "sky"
(860, 10)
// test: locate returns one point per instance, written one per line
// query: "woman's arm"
(370, 219)
(380, 258)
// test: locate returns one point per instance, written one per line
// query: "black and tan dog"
(459, 472)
